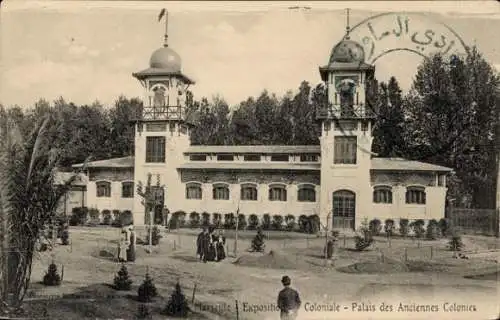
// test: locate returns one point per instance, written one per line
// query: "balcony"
(164, 113)
(353, 112)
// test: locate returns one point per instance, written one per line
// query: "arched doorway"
(344, 209)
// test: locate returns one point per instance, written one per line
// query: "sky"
(87, 51)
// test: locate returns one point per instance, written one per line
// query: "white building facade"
(340, 180)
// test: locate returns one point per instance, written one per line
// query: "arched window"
(127, 189)
(103, 189)
(277, 193)
(382, 194)
(221, 192)
(344, 203)
(159, 93)
(415, 195)
(249, 192)
(346, 89)
(306, 193)
(193, 190)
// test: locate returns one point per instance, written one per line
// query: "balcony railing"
(164, 113)
(346, 112)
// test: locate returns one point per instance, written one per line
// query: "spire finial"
(164, 12)
(347, 28)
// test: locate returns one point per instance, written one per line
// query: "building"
(340, 180)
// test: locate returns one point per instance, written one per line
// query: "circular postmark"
(383, 34)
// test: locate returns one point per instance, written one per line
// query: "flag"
(162, 13)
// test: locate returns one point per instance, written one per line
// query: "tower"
(346, 136)
(161, 130)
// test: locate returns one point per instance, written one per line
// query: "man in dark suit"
(288, 300)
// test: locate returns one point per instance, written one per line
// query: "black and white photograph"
(249, 160)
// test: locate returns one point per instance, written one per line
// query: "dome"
(347, 51)
(166, 58)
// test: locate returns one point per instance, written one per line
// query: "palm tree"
(29, 198)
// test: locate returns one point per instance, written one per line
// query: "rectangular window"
(345, 150)
(198, 157)
(308, 158)
(127, 190)
(441, 180)
(225, 157)
(279, 157)
(103, 189)
(277, 193)
(251, 157)
(155, 149)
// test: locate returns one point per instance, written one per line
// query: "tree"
(452, 119)
(29, 198)
(388, 132)
(177, 305)
(152, 200)
(122, 130)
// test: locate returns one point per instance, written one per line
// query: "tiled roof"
(395, 164)
(254, 149)
(400, 164)
(251, 166)
(125, 162)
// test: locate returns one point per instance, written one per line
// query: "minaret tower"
(346, 136)
(161, 130)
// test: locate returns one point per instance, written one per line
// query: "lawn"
(403, 269)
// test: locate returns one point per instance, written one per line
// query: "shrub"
(375, 227)
(266, 221)
(242, 222)
(365, 240)
(314, 224)
(143, 312)
(65, 237)
(217, 220)
(253, 222)
(115, 218)
(181, 216)
(126, 218)
(147, 290)
(177, 305)
(122, 280)
(290, 222)
(455, 243)
(403, 227)
(155, 236)
(303, 223)
(418, 228)
(444, 227)
(107, 219)
(229, 221)
(258, 241)
(94, 215)
(432, 230)
(174, 222)
(194, 219)
(52, 278)
(389, 227)
(205, 219)
(329, 249)
(79, 216)
(277, 223)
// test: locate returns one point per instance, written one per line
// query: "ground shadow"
(186, 258)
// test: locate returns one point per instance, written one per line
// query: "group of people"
(211, 246)
(126, 245)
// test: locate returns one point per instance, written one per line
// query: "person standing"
(288, 300)
(221, 242)
(199, 244)
(205, 246)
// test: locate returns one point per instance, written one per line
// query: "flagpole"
(166, 28)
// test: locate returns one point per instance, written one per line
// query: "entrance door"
(344, 209)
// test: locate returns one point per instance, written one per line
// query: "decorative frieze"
(403, 178)
(111, 174)
(288, 177)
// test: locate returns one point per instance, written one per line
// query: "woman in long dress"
(211, 256)
(221, 243)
